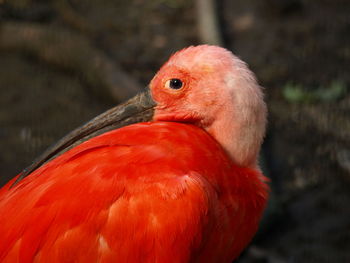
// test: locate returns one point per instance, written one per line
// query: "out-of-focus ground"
(63, 62)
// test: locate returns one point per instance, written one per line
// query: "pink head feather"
(220, 94)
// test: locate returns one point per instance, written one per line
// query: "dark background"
(64, 61)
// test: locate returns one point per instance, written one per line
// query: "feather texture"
(148, 192)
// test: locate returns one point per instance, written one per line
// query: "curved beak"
(138, 109)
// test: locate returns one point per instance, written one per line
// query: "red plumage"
(149, 192)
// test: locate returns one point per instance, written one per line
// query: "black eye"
(174, 84)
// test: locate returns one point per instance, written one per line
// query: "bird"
(172, 175)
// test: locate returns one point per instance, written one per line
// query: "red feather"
(149, 192)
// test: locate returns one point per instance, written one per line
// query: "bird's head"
(210, 87)
(205, 86)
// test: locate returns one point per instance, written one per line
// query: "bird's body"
(162, 191)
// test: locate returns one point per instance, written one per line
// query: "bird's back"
(149, 192)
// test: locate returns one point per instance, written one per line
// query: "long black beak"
(138, 109)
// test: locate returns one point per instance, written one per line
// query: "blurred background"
(62, 62)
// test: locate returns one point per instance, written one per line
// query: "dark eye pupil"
(175, 84)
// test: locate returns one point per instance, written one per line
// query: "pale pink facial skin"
(220, 94)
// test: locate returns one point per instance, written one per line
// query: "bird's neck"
(238, 139)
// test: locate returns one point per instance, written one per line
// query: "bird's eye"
(174, 84)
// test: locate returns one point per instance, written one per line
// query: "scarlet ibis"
(184, 185)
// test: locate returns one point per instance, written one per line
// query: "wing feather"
(144, 193)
